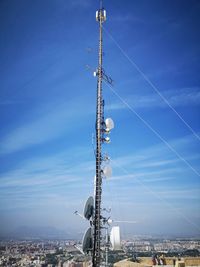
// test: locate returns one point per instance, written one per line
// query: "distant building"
(75, 264)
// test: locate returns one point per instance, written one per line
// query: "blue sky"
(47, 104)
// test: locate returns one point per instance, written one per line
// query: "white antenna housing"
(101, 13)
(97, 15)
(106, 139)
(109, 124)
(104, 14)
(115, 238)
(107, 171)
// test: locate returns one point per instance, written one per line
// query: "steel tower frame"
(96, 251)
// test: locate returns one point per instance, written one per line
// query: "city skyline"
(48, 104)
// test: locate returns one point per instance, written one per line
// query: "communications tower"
(96, 255)
(92, 240)
(102, 128)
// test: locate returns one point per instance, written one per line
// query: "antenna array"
(92, 240)
(100, 126)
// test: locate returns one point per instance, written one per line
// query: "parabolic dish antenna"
(115, 238)
(107, 171)
(109, 124)
(89, 208)
(87, 240)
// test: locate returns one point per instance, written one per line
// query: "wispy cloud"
(45, 179)
(161, 152)
(176, 98)
(157, 164)
(183, 193)
(52, 181)
(49, 170)
(46, 124)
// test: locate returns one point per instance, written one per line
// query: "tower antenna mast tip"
(101, 4)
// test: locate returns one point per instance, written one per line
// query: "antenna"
(101, 4)
(105, 77)
(77, 213)
(100, 139)
(115, 238)
(92, 240)
(87, 241)
(89, 208)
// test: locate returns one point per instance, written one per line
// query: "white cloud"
(48, 171)
(46, 180)
(176, 98)
(52, 182)
(185, 193)
(160, 151)
(48, 124)
(157, 164)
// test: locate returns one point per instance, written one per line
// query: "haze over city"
(48, 52)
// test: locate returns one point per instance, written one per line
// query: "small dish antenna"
(107, 171)
(109, 124)
(89, 208)
(87, 240)
(106, 139)
(115, 238)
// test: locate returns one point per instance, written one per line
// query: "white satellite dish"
(89, 208)
(106, 139)
(115, 238)
(87, 240)
(107, 171)
(109, 124)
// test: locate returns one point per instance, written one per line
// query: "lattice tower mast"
(96, 255)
